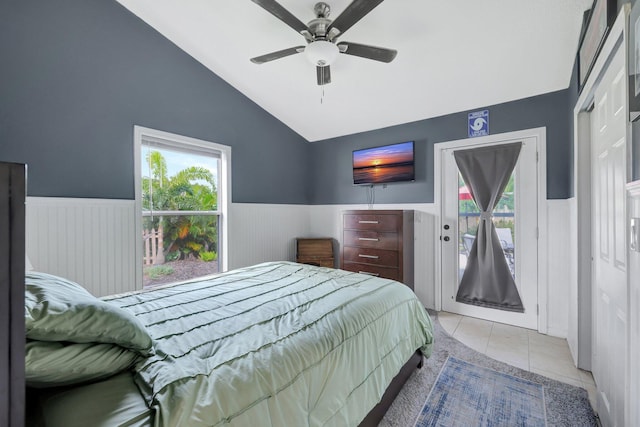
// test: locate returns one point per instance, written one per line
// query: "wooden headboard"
(12, 263)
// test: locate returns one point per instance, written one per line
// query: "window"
(181, 196)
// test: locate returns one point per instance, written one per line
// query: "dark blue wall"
(75, 76)
(333, 182)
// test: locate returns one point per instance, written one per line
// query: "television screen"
(389, 163)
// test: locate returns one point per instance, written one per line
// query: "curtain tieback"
(486, 216)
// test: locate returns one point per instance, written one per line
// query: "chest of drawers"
(379, 242)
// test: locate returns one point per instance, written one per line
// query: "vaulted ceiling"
(453, 55)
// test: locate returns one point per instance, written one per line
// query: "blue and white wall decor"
(479, 123)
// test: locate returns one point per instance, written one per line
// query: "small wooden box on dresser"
(379, 242)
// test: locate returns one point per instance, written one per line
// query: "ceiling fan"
(322, 33)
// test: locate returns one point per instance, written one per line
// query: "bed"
(275, 344)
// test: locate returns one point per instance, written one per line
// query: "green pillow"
(57, 309)
(50, 364)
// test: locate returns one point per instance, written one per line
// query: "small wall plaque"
(478, 123)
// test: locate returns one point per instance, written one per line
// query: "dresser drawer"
(370, 256)
(373, 270)
(379, 242)
(372, 222)
(371, 239)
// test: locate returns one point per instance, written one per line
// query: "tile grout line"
(490, 334)
(457, 325)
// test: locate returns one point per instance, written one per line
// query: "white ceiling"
(453, 55)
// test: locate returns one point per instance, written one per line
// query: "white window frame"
(182, 142)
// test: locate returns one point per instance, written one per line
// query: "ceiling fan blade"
(370, 52)
(352, 14)
(277, 55)
(274, 8)
(323, 74)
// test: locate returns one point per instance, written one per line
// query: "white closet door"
(609, 250)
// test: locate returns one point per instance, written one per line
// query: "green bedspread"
(276, 344)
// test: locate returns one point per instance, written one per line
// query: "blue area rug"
(468, 395)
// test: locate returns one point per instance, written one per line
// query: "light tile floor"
(523, 348)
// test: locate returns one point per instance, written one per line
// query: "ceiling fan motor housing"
(319, 27)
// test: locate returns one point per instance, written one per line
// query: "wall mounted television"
(384, 164)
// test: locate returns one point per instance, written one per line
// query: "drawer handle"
(369, 239)
(370, 274)
(368, 256)
(367, 222)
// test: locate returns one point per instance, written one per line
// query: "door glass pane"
(469, 217)
(178, 247)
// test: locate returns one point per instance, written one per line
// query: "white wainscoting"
(263, 232)
(326, 221)
(89, 241)
(559, 267)
(92, 242)
(633, 408)
(260, 232)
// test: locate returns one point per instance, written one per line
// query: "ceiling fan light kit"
(321, 53)
(321, 35)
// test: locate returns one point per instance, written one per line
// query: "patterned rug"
(469, 395)
(565, 405)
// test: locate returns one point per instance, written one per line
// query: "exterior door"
(609, 252)
(516, 221)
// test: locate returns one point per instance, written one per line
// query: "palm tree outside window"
(180, 212)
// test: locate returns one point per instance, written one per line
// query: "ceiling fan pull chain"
(322, 86)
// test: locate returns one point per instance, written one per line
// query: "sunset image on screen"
(383, 164)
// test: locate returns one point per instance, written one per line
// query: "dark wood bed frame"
(12, 256)
(377, 413)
